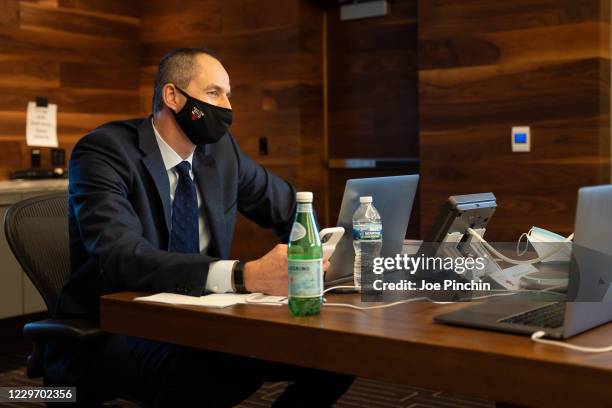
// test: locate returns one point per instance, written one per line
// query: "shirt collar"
(169, 156)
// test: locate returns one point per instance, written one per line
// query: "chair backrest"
(37, 232)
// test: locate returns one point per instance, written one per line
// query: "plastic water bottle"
(305, 260)
(367, 238)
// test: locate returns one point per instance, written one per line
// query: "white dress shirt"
(219, 278)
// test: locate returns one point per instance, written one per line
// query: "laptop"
(589, 293)
(393, 197)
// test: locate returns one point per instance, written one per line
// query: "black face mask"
(202, 122)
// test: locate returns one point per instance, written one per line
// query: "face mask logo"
(202, 122)
(196, 113)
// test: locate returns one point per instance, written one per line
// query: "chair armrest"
(80, 330)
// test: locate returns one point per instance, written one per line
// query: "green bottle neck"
(304, 207)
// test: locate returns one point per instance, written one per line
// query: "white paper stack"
(218, 300)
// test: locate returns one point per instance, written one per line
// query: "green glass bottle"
(305, 260)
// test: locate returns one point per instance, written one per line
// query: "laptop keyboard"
(550, 316)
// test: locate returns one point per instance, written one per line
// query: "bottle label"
(305, 278)
(297, 232)
(367, 232)
(304, 207)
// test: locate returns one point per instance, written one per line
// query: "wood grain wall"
(273, 54)
(485, 66)
(80, 54)
(373, 101)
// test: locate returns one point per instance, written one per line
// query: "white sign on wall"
(41, 125)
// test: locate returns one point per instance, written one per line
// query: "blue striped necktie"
(184, 236)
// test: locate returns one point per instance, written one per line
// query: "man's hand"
(268, 274)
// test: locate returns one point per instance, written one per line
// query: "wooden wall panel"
(118, 9)
(80, 54)
(75, 21)
(312, 168)
(486, 66)
(373, 96)
(273, 53)
(373, 83)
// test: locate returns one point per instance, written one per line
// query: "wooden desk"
(399, 344)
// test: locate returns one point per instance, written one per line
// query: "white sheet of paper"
(216, 300)
(41, 125)
(510, 278)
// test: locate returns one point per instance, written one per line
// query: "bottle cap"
(304, 197)
(365, 199)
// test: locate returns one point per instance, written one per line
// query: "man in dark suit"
(152, 207)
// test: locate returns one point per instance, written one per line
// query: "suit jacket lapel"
(207, 179)
(154, 164)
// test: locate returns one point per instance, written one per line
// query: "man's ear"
(171, 97)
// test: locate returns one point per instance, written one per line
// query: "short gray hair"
(176, 67)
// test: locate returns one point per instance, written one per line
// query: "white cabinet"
(18, 296)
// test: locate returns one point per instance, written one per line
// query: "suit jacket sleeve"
(111, 232)
(264, 197)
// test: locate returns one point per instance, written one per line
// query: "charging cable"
(537, 337)
(495, 252)
(351, 306)
(401, 302)
(386, 305)
(339, 287)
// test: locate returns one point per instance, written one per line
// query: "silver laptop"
(393, 197)
(589, 293)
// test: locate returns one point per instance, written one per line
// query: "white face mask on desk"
(543, 241)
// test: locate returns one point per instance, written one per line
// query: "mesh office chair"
(37, 232)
